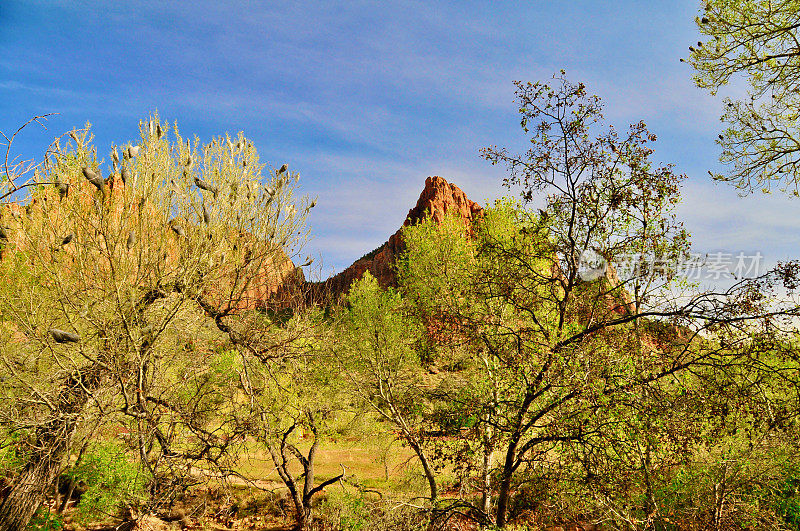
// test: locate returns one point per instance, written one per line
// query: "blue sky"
(366, 99)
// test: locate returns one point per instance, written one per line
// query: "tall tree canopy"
(758, 41)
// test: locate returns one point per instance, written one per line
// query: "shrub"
(110, 480)
(44, 520)
(11, 455)
(787, 495)
(346, 511)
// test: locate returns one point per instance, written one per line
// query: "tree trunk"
(309, 490)
(505, 484)
(486, 493)
(426, 467)
(303, 519)
(502, 500)
(47, 457)
(67, 496)
(302, 500)
(281, 459)
(399, 421)
(28, 492)
(720, 491)
(308, 483)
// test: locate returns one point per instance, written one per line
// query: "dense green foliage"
(108, 476)
(502, 382)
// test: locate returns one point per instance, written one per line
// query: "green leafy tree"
(757, 41)
(436, 275)
(381, 343)
(571, 348)
(294, 399)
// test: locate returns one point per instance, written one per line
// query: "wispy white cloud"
(367, 99)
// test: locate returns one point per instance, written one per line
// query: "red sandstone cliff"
(437, 199)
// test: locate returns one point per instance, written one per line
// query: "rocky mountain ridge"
(438, 199)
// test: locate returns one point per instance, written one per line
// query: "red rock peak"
(437, 199)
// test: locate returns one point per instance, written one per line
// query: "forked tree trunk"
(281, 456)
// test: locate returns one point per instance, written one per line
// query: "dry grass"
(376, 462)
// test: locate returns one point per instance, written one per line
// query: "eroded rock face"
(437, 199)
